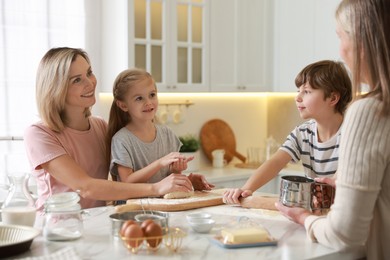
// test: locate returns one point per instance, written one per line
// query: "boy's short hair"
(329, 76)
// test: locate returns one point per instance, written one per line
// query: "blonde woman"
(67, 148)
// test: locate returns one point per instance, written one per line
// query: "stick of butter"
(244, 235)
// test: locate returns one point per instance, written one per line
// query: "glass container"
(18, 207)
(63, 220)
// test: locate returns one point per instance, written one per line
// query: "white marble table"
(98, 243)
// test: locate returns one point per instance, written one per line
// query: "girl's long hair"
(119, 118)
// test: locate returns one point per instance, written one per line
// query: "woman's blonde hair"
(367, 22)
(52, 85)
(123, 82)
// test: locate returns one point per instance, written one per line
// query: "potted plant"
(190, 147)
(190, 143)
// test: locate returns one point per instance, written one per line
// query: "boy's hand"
(232, 196)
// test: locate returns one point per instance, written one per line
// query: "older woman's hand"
(327, 180)
(298, 215)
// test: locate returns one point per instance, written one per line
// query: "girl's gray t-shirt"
(129, 151)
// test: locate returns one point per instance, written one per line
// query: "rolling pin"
(259, 202)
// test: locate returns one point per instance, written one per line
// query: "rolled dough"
(178, 195)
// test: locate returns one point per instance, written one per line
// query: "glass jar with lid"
(63, 220)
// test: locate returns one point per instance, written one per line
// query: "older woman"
(360, 213)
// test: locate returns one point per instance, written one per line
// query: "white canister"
(218, 158)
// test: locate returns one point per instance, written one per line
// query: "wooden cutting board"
(200, 199)
(217, 134)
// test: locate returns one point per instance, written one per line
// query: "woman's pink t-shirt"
(87, 148)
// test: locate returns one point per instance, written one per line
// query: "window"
(28, 30)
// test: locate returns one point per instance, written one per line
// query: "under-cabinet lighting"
(187, 95)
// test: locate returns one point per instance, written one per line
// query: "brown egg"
(125, 225)
(145, 223)
(134, 233)
(153, 230)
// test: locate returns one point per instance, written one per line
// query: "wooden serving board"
(217, 134)
(200, 199)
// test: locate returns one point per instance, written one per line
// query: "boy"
(324, 91)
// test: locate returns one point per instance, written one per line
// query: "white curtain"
(28, 29)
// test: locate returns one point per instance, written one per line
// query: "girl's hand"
(172, 183)
(199, 182)
(181, 164)
(232, 196)
(169, 159)
(298, 215)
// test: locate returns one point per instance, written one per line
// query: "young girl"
(324, 91)
(142, 151)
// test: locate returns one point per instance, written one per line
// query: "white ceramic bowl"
(198, 216)
(202, 225)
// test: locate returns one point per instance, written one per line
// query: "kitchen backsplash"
(252, 117)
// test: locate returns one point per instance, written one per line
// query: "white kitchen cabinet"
(169, 38)
(240, 38)
(304, 32)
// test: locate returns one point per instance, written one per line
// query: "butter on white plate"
(244, 235)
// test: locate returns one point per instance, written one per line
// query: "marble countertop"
(98, 242)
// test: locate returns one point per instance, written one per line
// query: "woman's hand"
(323, 194)
(172, 183)
(327, 180)
(298, 215)
(232, 196)
(199, 182)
